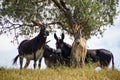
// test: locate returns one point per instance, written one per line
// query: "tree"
(91, 15)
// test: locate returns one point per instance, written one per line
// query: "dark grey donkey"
(32, 49)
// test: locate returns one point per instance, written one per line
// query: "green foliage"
(93, 14)
(61, 73)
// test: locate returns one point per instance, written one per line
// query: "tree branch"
(16, 25)
(66, 11)
(62, 25)
(63, 5)
(58, 5)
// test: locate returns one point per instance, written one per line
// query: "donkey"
(49, 56)
(101, 56)
(52, 59)
(32, 49)
(79, 48)
(63, 49)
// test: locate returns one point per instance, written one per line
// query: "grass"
(61, 73)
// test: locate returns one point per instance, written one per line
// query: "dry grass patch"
(61, 73)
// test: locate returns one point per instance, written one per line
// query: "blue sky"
(109, 41)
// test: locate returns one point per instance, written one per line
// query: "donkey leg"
(85, 52)
(27, 63)
(34, 60)
(77, 61)
(73, 58)
(73, 62)
(82, 62)
(21, 61)
(34, 64)
(83, 57)
(39, 64)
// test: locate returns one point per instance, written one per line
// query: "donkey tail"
(15, 59)
(112, 61)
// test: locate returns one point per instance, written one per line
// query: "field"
(61, 73)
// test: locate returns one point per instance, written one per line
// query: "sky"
(109, 41)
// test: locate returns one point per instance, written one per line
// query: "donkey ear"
(36, 23)
(55, 36)
(62, 36)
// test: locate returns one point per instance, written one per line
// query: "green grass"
(61, 73)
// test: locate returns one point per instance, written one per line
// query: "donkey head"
(77, 34)
(59, 43)
(44, 30)
(42, 27)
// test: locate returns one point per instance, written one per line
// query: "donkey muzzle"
(77, 42)
(58, 51)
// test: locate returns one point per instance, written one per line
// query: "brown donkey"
(79, 48)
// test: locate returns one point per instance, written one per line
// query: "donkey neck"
(77, 35)
(66, 45)
(40, 38)
(66, 50)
